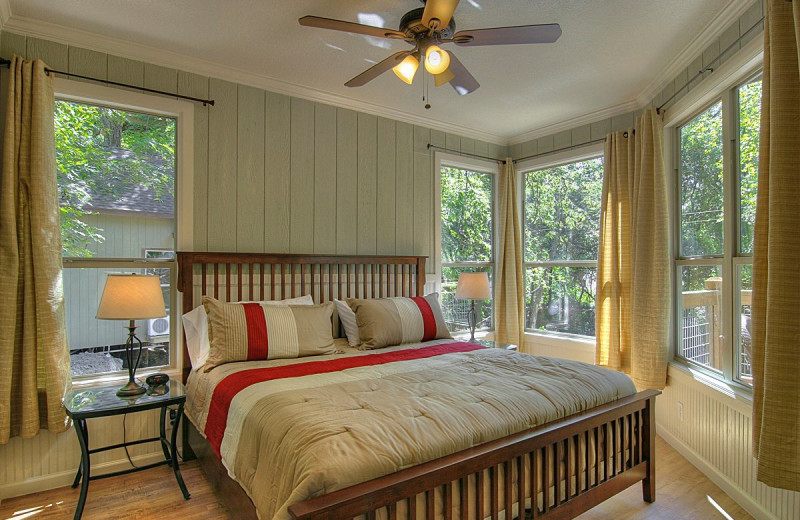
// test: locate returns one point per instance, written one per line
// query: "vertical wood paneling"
(277, 169)
(250, 170)
(386, 198)
(55, 55)
(11, 44)
(197, 86)
(88, 63)
(346, 181)
(720, 435)
(404, 189)
(367, 184)
(161, 78)
(301, 206)
(124, 70)
(324, 179)
(222, 159)
(423, 195)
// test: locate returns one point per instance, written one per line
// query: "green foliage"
(561, 222)
(101, 150)
(702, 214)
(467, 216)
(749, 121)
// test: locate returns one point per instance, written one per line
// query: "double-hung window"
(561, 216)
(716, 169)
(117, 171)
(467, 235)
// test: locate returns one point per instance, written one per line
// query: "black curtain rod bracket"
(6, 63)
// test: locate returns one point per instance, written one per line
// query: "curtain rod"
(709, 68)
(6, 63)
(467, 154)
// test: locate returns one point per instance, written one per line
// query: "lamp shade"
(436, 60)
(131, 297)
(406, 69)
(473, 286)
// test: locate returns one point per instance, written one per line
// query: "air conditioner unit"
(158, 328)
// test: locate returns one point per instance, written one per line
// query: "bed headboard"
(266, 276)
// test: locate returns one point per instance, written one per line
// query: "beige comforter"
(287, 440)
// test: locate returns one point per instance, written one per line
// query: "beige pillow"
(394, 321)
(254, 331)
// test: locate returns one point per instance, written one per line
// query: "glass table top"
(103, 398)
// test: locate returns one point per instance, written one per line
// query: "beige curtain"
(633, 265)
(34, 357)
(776, 281)
(509, 281)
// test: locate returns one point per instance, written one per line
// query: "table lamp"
(473, 286)
(131, 297)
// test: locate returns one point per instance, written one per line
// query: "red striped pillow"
(393, 321)
(256, 331)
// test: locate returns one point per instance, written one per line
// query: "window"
(716, 213)
(467, 239)
(117, 192)
(561, 218)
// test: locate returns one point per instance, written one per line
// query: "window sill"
(736, 395)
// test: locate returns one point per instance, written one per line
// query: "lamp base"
(130, 389)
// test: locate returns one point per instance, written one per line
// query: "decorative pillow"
(195, 327)
(264, 330)
(393, 321)
(348, 318)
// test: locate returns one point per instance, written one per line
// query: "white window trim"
(183, 112)
(577, 342)
(738, 69)
(467, 163)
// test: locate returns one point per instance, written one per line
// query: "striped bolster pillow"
(393, 321)
(252, 331)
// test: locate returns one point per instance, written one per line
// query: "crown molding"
(569, 124)
(5, 12)
(704, 38)
(156, 56)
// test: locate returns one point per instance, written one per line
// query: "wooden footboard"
(551, 467)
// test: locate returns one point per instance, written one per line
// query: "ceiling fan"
(426, 28)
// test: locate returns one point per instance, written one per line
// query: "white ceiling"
(611, 52)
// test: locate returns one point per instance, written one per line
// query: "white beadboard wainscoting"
(710, 425)
(49, 461)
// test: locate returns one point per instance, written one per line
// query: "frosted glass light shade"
(436, 60)
(131, 297)
(473, 286)
(406, 69)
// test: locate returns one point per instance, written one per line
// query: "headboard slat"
(344, 277)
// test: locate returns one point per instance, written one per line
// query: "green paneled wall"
(275, 173)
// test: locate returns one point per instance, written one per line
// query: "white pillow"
(348, 318)
(195, 328)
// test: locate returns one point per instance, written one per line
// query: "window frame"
(183, 113)
(544, 161)
(443, 159)
(740, 69)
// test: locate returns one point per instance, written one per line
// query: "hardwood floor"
(682, 493)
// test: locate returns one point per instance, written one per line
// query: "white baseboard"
(65, 478)
(729, 487)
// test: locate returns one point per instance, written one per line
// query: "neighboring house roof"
(123, 194)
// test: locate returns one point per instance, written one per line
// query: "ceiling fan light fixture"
(444, 77)
(406, 69)
(436, 60)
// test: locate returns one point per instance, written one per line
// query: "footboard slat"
(558, 482)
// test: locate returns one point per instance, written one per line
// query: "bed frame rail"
(559, 458)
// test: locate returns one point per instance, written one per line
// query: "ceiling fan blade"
(462, 82)
(377, 69)
(441, 10)
(545, 33)
(357, 28)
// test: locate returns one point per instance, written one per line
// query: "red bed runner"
(227, 389)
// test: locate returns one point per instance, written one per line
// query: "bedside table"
(494, 344)
(102, 401)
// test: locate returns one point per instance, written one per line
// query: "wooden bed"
(537, 456)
